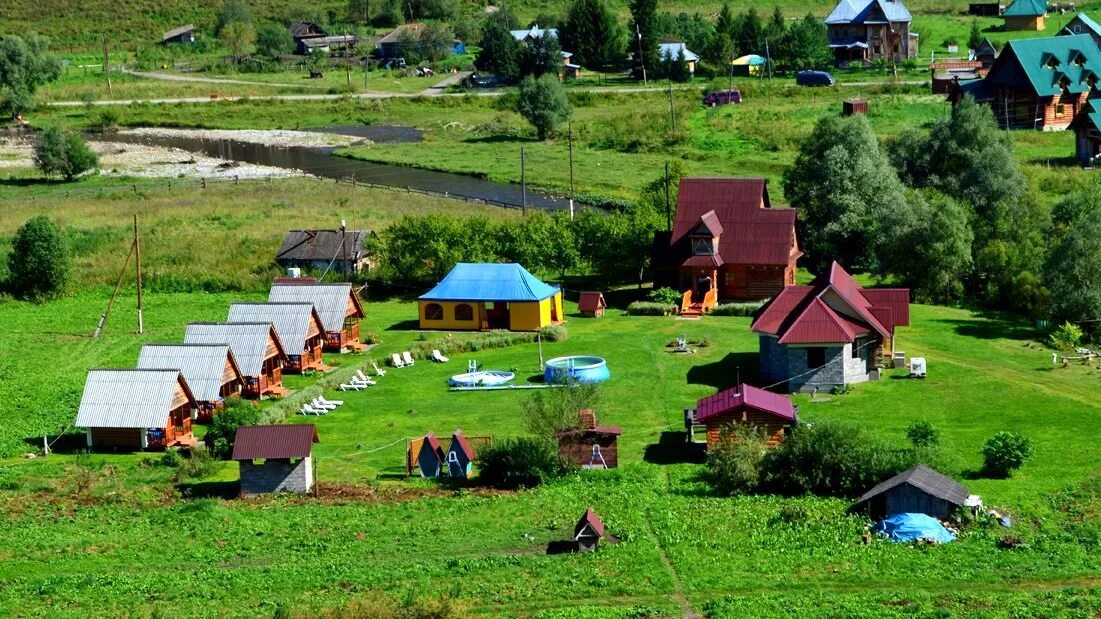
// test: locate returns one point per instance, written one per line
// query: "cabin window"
(1076, 29)
(433, 311)
(1060, 110)
(816, 357)
(703, 246)
(464, 312)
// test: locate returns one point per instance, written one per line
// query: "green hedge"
(737, 309)
(649, 308)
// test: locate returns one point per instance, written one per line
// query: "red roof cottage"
(773, 413)
(727, 242)
(829, 333)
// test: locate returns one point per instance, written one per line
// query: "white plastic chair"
(396, 360)
(332, 402)
(317, 403)
(438, 357)
(378, 371)
(311, 410)
(363, 379)
(352, 387)
(408, 357)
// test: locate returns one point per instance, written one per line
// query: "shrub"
(105, 119)
(198, 465)
(39, 263)
(519, 463)
(1005, 452)
(553, 333)
(646, 308)
(223, 428)
(1009, 542)
(736, 309)
(734, 465)
(1066, 337)
(547, 411)
(922, 434)
(665, 296)
(543, 103)
(66, 155)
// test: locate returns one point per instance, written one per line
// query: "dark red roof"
(592, 520)
(295, 280)
(752, 231)
(458, 440)
(274, 442)
(591, 301)
(736, 399)
(430, 439)
(834, 310)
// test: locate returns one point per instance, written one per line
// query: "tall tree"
(39, 263)
(25, 64)
(803, 45)
(543, 103)
(722, 50)
(776, 26)
(1073, 271)
(541, 55)
(239, 37)
(974, 38)
(273, 40)
(593, 33)
(748, 32)
(63, 154)
(926, 243)
(233, 11)
(359, 11)
(643, 34)
(500, 52)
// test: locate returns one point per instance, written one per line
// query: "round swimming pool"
(488, 378)
(582, 368)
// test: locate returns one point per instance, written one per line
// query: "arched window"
(464, 312)
(433, 311)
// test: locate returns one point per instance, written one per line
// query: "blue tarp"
(489, 282)
(913, 527)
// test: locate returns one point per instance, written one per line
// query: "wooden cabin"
(1025, 15)
(430, 457)
(920, 490)
(1082, 24)
(854, 106)
(774, 414)
(184, 35)
(484, 296)
(340, 251)
(590, 446)
(256, 345)
(299, 327)
(865, 30)
(275, 458)
(589, 531)
(338, 305)
(211, 371)
(135, 409)
(591, 304)
(460, 455)
(1087, 135)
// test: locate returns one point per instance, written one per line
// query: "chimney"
(587, 419)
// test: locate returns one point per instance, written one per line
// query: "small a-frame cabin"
(210, 370)
(591, 304)
(136, 409)
(299, 327)
(338, 305)
(257, 347)
(459, 456)
(431, 457)
(589, 531)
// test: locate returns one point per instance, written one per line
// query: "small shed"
(184, 35)
(920, 490)
(591, 304)
(589, 531)
(275, 458)
(459, 456)
(984, 9)
(590, 446)
(773, 413)
(854, 106)
(431, 457)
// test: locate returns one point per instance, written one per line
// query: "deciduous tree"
(25, 64)
(63, 154)
(39, 263)
(543, 103)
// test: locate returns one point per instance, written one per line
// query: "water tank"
(294, 272)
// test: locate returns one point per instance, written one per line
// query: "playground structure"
(444, 456)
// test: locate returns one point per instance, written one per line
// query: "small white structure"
(917, 367)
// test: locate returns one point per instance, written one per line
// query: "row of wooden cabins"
(153, 405)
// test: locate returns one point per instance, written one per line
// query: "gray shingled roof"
(291, 320)
(127, 398)
(926, 480)
(202, 365)
(249, 341)
(322, 245)
(331, 300)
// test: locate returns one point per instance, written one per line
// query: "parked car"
(483, 80)
(722, 97)
(814, 78)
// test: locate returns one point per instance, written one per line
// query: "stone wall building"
(275, 458)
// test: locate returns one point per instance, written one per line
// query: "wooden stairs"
(187, 441)
(694, 309)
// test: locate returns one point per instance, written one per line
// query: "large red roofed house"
(829, 333)
(773, 413)
(727, 243)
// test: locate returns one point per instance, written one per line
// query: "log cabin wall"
(774, 429)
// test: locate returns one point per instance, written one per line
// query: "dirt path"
(678, 587)
(176, 77)
(438, 89)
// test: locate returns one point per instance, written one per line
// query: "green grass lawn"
(376, 535)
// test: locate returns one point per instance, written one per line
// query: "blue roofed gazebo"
(481, 296)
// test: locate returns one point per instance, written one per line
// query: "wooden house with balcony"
(298, 325)
(866, 30)
(257, 347)
(1042, 83)
(727, 242)
(135, 409)
(338, 305)
(211, 371)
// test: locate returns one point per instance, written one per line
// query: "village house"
(669, 52)
(136, 409)
(337, 44)
(211, 371)
(589, 446)
(832, 332)
(985, 54)
(256, 345)
(338, 251)
(275, 458)
(1025, 15)
(483, 296)
(337, 304)
(307, 30)
(867, 30)
(526, 36)
(184, 35)
(1082, 24)
(1087, 134)
(298, 325)
(773, 414)
(727, 243)
(1038, 83)
(390, 44)
(920, 490)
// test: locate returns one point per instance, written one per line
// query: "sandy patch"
(275, 137)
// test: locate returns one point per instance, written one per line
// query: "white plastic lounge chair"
(362, 378)
(352, 387)
(396, 360)
(317, 403)
(438, 357)
(312, 410)
(408, 357)
(333, 402)
(378, 371)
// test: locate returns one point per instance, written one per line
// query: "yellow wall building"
(490, 296)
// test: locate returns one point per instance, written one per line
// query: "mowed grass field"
(98, 539)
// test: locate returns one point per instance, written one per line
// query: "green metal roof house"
(1082, 24)
(1025, 15)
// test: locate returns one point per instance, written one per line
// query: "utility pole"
(118, 284)
(641, 58)
(730, 78)
(668, 212)
(573, 191)
(348, 64)
(523, 184)
(137, 262)
(344, 246)
(768, 59)
(672, 110)
(107, 65)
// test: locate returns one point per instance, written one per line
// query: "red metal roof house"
(727, 243)
(773, 413)
(829, 333)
